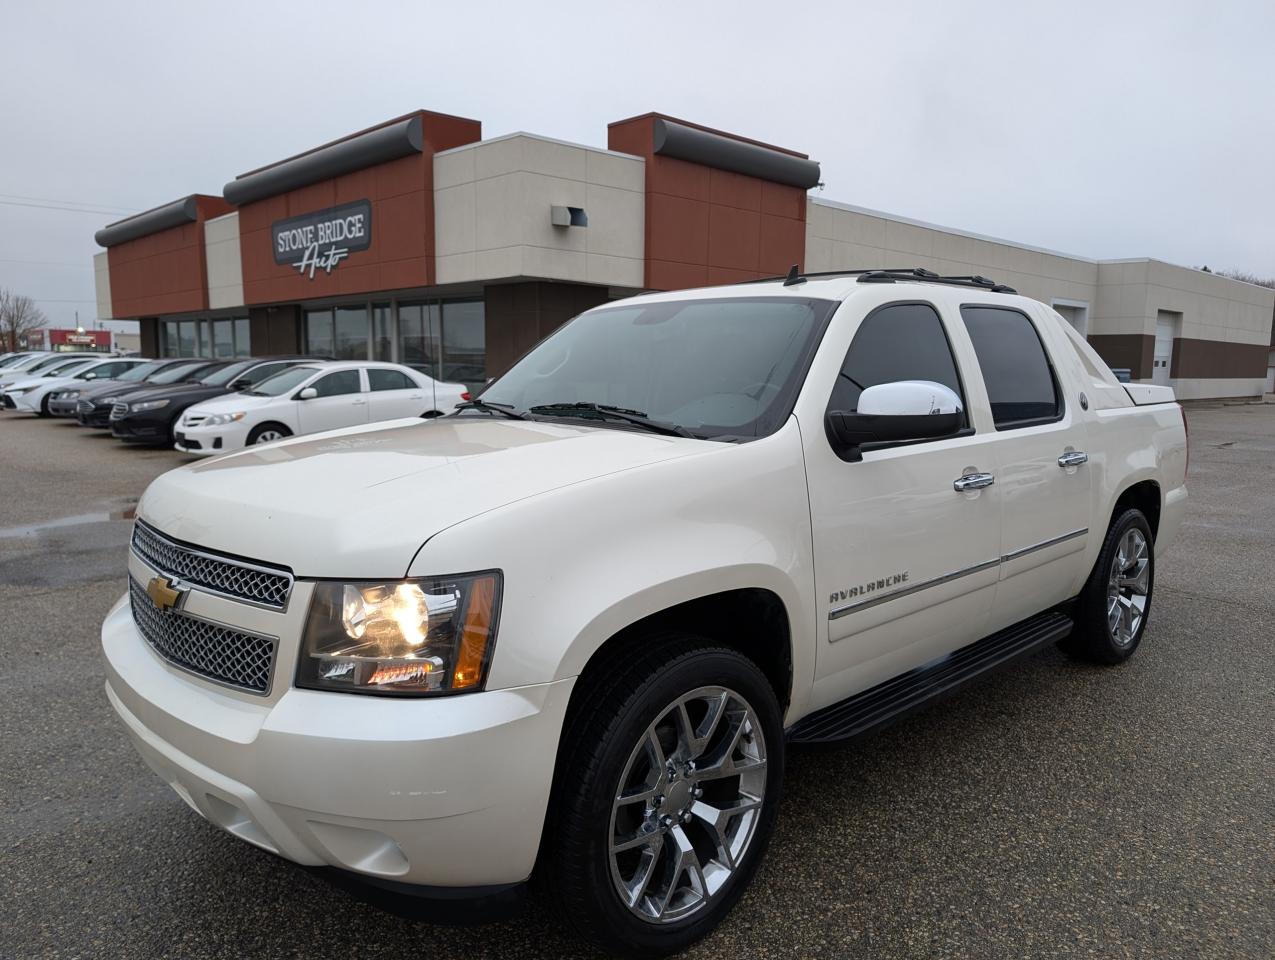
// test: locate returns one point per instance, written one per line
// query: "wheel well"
(752, 621)
(261, 427)
(1144, 496)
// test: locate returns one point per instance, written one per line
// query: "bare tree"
(1243, 275)
(19, 316)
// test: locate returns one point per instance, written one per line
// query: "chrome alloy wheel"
(688, 804)
(268, 436)
(1128, 586)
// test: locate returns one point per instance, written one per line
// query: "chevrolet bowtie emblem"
(162, 593)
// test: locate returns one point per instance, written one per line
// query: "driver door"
(906, 565)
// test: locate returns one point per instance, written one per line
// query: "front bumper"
(201, 441)
(63, 408)
(446, 792)
(141, 428)
(89, 414)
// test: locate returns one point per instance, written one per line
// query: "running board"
(899, 696)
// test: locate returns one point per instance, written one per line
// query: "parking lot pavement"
(1056, 810)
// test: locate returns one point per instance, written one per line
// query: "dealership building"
(418, 241)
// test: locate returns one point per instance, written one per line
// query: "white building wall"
(225, 267)
(491, 212)
(102, 285)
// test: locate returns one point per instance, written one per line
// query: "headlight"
(19, 392)
(406, 637)
(147, 405)
(221, 419)
(68, 395)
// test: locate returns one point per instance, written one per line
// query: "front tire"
(267, 433)
(665, 795)
(1113, 607)
(44, 405)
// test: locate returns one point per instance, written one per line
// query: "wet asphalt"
(1055, 810)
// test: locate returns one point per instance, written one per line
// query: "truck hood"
(359, 503)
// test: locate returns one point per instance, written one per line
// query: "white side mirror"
(908, 398)
(309, 393)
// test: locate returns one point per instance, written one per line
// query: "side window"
(1020, 382)
(900, 341)
(380, 379)
(336, 384)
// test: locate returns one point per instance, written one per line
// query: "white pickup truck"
(566, 633)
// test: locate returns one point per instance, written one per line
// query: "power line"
(67, 209)
(47, 300)
(74, 203)
(50, 263)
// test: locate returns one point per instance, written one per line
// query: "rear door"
(341, 402)
(1042, 474)
(393, 394)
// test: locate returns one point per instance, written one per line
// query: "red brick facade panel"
(709, 226)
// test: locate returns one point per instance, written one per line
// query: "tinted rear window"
(1020, 381)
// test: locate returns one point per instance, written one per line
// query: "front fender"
(583, 562)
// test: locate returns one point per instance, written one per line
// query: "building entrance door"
(1163, 351)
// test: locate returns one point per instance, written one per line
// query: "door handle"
(973, 481)
(359, 403)
(1073, 458)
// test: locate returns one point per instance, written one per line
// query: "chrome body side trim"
(838, 612)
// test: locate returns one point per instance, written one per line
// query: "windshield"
(65, 369)
(719, 368)
(176, 372)
(140, 372)
(282, 382)
(223, 376)
(48, 362)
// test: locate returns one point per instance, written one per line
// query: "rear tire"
(660, 726)
(1115, 604)
(44, 405)
(267, 433)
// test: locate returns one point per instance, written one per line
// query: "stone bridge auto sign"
(321, 240)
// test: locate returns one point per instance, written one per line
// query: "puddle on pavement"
(79, 520)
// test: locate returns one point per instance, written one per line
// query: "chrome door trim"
(1052, 541)
(837, 612)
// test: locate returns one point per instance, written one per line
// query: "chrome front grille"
(118, 411)
(84, 406)
(220, 653)
(238, 579)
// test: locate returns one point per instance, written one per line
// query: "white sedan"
(33, 394)
(313, 397)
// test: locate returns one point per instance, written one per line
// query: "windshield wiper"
(605, 411)
(504, 409)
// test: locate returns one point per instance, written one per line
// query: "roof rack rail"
(890, 275)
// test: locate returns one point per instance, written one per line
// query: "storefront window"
(351, 333)
(382, 332)
(318, 332)
(418, 336)
(243, 341)
(187, 339)
(464, 343)
(223, 338)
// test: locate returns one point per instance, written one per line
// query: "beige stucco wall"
(225, 267)
(102, 285)
(1132, 292)
(1123, 296)
(491, 212)
(839, 236)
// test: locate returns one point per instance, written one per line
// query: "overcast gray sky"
(1103, 129)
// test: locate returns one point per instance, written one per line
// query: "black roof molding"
(681, 142)
(172, 214)
(345, 156)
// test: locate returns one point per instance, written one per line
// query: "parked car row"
(205, 407)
